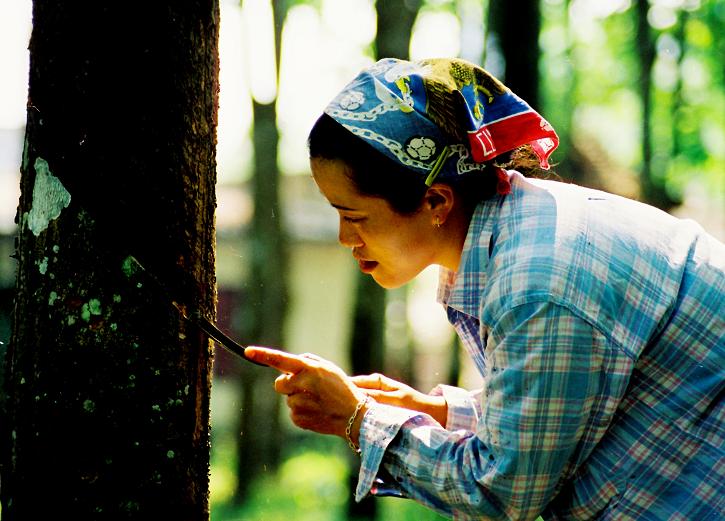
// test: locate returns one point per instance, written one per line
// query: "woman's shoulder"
(615, 261)
(541, 227)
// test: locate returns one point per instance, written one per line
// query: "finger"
(376, 394)
(280, 360)
(283, 385)
(391, 397)
(375, 381)
(302, 402)
(367, 381)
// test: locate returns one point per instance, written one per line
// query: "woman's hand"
(389, 391)
(320, 396)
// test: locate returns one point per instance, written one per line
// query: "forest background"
(635, 90)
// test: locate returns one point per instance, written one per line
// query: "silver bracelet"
(348, 429)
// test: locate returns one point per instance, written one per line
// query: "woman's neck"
(453, 236)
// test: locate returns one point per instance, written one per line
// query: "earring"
(437, 222)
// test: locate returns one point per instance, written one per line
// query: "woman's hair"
(375, 174)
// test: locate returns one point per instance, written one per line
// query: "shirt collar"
(462, 289)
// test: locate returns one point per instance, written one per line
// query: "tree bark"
(107, 415)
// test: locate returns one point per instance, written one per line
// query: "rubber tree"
(266, 290)
(107, 409)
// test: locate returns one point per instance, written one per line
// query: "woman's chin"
(385, 281)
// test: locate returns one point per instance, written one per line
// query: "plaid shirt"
(598, 326)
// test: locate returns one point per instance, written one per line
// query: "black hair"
(375, 174)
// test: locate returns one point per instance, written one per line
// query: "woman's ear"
(439, 200)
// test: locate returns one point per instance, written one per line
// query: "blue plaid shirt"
(598, 326)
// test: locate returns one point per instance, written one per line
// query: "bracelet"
(348, 429)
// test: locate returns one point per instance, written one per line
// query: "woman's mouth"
(367, 266)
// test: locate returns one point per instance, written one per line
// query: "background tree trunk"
(395, 26)
(652, 186)
(518, 34)
(262, 318)
(107, 415)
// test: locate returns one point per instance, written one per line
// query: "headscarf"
(442, 117)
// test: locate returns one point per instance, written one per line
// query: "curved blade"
(217, 334)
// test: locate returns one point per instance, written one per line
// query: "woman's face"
(391, 247)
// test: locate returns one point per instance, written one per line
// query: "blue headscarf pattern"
(441, 117)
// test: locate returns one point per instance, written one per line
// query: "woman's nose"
(347, 235)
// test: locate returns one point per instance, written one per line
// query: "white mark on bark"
(49, 198)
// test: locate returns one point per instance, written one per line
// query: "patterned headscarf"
(441, 117)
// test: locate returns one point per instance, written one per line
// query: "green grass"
(309, 486)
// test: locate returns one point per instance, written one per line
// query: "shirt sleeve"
(543, 376)
(464, 407)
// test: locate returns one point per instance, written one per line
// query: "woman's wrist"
(354, 423)
(437, 408)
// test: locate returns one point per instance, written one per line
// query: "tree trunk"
(107, 415)
(566, 102)
(517, 26)
(265, 308)
(652, 186)
(677, 92)
(367, 351)
(262, 318)
(395, 25)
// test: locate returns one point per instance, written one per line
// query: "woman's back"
(654, 287)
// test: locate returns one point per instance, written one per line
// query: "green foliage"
(591, 82)
(689, 120)
(311, 485)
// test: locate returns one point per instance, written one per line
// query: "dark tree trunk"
(652, 186)
(107, 415)
(367, 351)
(646, 53)
(263, 316)
(395, 24)
(566, 101)
(677, 93)
(517, 25)
(265, 308)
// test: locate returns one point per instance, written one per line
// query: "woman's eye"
(353, 219)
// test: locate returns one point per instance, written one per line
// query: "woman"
(596, 322)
